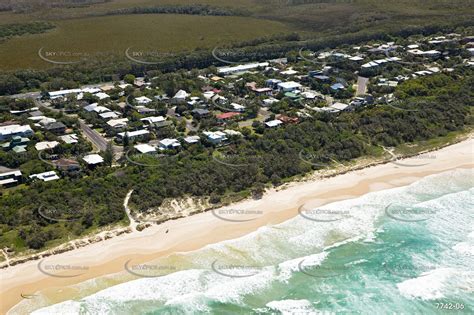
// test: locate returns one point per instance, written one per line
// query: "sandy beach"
(196, 231)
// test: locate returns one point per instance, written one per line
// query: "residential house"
(179, 97)
(153, 120)
(56, 127)
(237, 107)
(10, 179)
(17, 144)
(133, 135)
(241, 68)
(217, 137)
(69, 139)
(67, 165)
(289, 86)
(46, 145)
(199, 112)
(142, 100)
(145, 148)
(273, 123)
(10, 131)
(93, 159)
(226, 116)
(168, 143)
(46, 176)
(191, 139)
(118, 124)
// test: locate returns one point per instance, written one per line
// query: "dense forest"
(9, 30)
(195, 9)
(34, 5)
(443, 103)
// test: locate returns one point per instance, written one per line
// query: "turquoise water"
(376, 259)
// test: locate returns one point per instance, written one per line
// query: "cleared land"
(114, 34)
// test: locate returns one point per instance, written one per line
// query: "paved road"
(93, 136)
(362, 85)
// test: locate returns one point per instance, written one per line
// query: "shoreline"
(117, 230)
(277, 205)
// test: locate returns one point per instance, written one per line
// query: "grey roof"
(55, 125)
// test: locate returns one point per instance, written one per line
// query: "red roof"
(227, 115)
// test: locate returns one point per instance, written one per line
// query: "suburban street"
(97, 140)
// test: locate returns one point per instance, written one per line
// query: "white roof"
(289, 85)
(168, 142)
(153, 119)
(91, 107)
(143, 100)
(91, 90)
(239, 68)
(102, 95)
(92, 159)
(117, 122)
(191, 139)
(289, 72)
(273, 123)
(40, 146)
(217, 135)
(46, 120)
(11, 173)
(123, 86)
(181, 94)
(145, 148)
(356, 58)
(231, 132)
(64, 92)
(208, 94)
(14, 129)
(339, 106)
(109, 115)
(270, 100)
(134, 133)
(46, 176)
(69, 139)
(237, 106)
(8, 181)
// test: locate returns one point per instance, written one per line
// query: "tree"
(109, 154)
(129, 78)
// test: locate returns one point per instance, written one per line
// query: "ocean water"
(408, 250)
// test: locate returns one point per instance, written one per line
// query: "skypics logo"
(236, 56)
(145, 159)
(323, 215)
(149, 270)
(233, 159)
(424, 158)
(404, 213)
(407, 270)
(309, 158)
(318, 271)
(224, 55)
(61, 270)
(62, 57)
(236, 215)
(146, 57)
(59, 214)
(234, 271)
